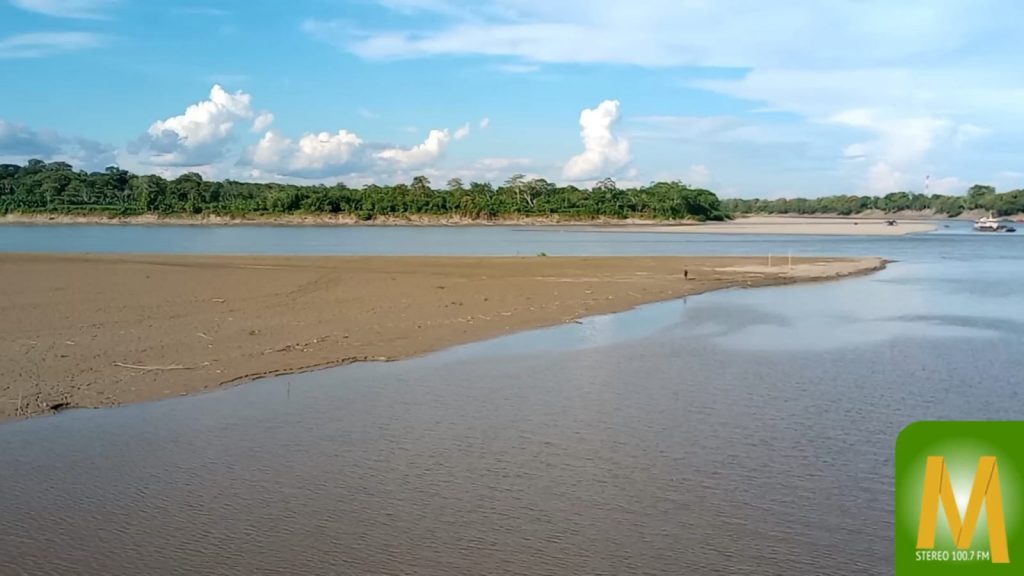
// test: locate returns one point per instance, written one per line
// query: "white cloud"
(202, 134)
(899, 140)
(39, 44)
(262, 122)
(604, 153)
(19, 142)
(89, 9)
(430, 150)
(313, 155)
(712, 129)
(737, 33)
(330, 155)
(484, 123)
(898, 152)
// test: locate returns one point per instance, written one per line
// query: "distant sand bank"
(102, 330)
(792, 225)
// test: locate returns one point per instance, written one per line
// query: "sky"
(745, 97)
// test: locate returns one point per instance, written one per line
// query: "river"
(743, 431)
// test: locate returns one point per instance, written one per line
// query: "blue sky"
(746, 97)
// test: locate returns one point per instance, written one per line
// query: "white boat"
(990, 224)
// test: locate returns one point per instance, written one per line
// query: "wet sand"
(792, 225)
(103, 330)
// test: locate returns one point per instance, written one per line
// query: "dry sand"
(791, 225)
(102, 330)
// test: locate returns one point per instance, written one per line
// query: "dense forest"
(56, 187)
(977, 198)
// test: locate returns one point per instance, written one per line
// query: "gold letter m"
(937, 487)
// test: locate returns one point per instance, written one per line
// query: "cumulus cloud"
(202, 134)
(90, 9)
(262, 122)
(462, 132)
(604, 153)
(420, 155)
(312, 156)
(327, 155)
(39, 44)
(19, 142)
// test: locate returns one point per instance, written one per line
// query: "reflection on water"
(740, 432)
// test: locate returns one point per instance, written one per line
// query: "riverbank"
(104, 330)
(810, 225)
(790, 225)
(327, 220)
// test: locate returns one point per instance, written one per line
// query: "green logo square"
(959, 500)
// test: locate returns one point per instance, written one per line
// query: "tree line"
(978, 197)
(56, 187)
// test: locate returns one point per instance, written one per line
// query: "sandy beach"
(103, 330)
(791, 225)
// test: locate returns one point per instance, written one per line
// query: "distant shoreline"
(787, 225)
(327, 220)
(793, 226)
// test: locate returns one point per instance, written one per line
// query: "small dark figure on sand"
(686, 274)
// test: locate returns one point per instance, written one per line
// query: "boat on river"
(991, 224)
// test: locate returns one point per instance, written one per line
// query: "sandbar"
(789, 225)
(84, 330)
